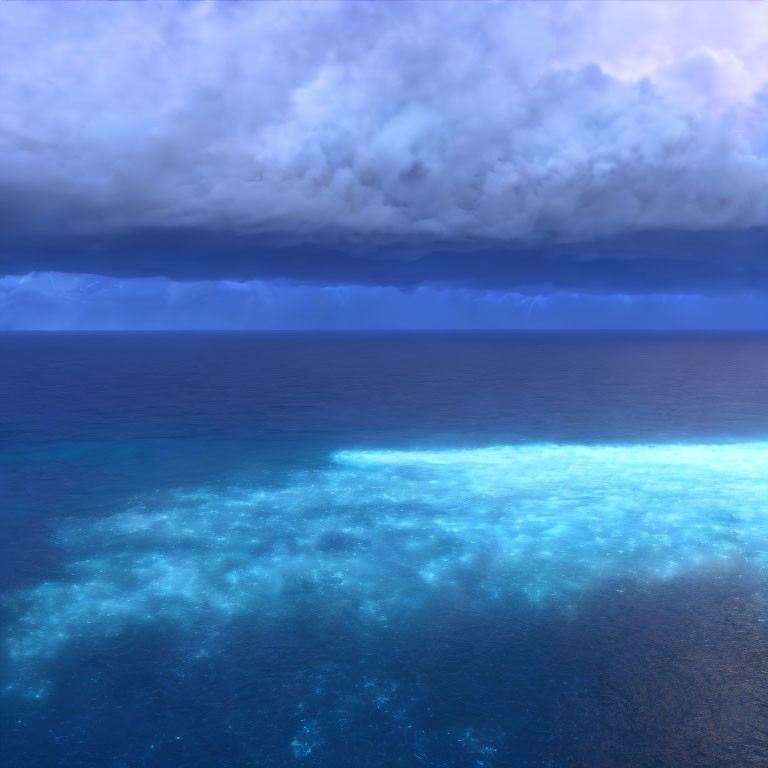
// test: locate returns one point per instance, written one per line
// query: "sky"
(384, 165)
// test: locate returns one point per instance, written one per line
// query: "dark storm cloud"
(597, 147)
(676, 261)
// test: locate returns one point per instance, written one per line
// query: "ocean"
(383, 549)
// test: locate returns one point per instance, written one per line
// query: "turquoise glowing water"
(387, 593)
(380, 533)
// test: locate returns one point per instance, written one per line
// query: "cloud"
(415, 125)
(56, 301)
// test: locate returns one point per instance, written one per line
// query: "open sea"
(381, 550)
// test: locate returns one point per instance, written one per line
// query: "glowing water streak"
(380, 533)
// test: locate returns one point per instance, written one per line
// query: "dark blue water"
(384, 550)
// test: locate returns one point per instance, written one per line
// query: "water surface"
(481, 549)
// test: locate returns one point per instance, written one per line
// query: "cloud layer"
(56, 301)
(352, 124)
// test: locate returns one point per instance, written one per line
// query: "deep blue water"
(384, 550)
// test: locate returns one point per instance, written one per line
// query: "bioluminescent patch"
(379, 534)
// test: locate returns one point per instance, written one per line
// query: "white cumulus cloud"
(446, 120)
